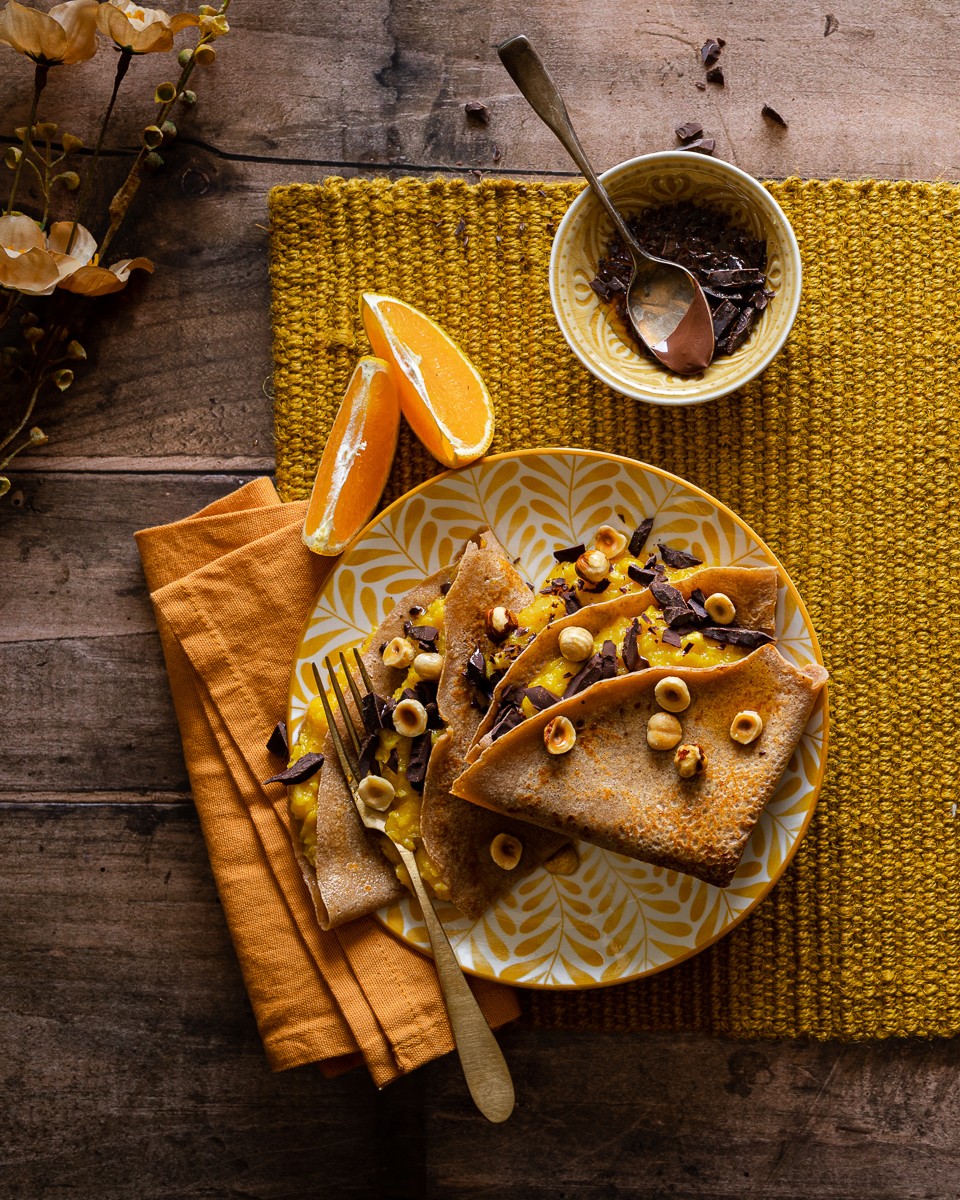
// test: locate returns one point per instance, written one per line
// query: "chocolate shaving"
(393, 761)
(278, 743)
(638, 539)
(608, 661)
(678, 560)
(697, 602)
(476, 669)
(715, 75)
(724, 316)
(666, 595)
(417, 611)
(638, 575)
(688, 130)
(569, 554)
(540, 698)
(302, 769)
(710, 51)
(477, 111)
(434, 720)
(680, 618)
(701, 145)
(426, 635)
(595, 588)
(670, 637)
(509, 720)
(420, 749)
(373, 710)
(591, 672)
(368, 753)
(733, 635)
(772, 115)
(633, 660)
(831, 25)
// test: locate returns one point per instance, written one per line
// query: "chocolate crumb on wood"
(477, 111)
(772, 115)
(688, 131)
(701, 146)
(831, 25)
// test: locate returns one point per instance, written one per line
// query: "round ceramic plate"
(616, 918)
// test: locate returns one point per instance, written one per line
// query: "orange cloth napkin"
(231, 588)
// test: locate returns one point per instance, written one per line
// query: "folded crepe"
(612, 789)
(753, 591)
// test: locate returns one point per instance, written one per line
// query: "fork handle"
(484, 1067)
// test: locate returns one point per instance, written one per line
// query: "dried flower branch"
(58, 266)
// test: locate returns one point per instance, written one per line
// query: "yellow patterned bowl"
(584, 232)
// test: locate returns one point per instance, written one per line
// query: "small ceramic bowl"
(585, 231)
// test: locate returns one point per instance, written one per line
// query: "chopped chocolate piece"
(445, 587)
(638, 575)
(700, 85)
(278, 743)
(678, 560)
(569, 553)
(302, 769)
(638, 539)
(735, 278)
(733, 635)
(666, 595)
(372, 710)
(687, 648)
(426, 635)
(740, 332)
(509, 720)
(680, 618)
(632, 658)
(772, 115)
(697, 602)
(420, 749)
(461, 226)
(760, 299)
(417, 611)
(425, 690)
(608, 661)
(477, 111)
(591, 672)
(670, 637)
(393, 761)
(476, 671)
(724, 315)
(831, 25)
(367, 756)
(688, 130)
(540, 698)
(710, 51)
(701, 146)
(601, 586)
(433, 716)
(715, 75)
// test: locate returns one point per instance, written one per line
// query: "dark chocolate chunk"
(417, 611)
(569, 553)
(509, 720)
(677, 559)
(666, 595)
(367, 756)
(733, 635)
(477, 111)
(740, 331)
(680, 618)
(696, 602)
(445, 587)
(425, 690)
(688, 130)
(373, 709)
(710, 51)
(737, 277)
(632, 658)
(420, 749)
(476, 670)
(595, 588)
(831, 25)
(278, 743)
(393, 761)
(670, 637)
(772, 115)
(715, 75)
(638, 575)
(433, 716)
(701, 145)
(302, 769)
(608, 661)
(723, 316)
(591, 672)
(426, 635)
(638, 539)
(540, 698)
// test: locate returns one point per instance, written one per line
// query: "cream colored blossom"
(64, 35)
(80, 273)
(36, 264)
(25, 263)
(141, 30)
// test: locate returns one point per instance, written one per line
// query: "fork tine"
(367, 681)
(348, 764)
(342, 705)
(352, 683)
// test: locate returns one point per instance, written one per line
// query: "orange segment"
(441, 394)
(356, 460)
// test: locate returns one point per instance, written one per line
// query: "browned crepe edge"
(640, 807)
(356, 878)
(457, 835)
(753, 591)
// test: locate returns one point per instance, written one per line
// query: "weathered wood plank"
(131, 1055)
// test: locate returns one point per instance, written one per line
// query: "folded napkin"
(231, 587)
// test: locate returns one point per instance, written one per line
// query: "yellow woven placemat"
(843, 456)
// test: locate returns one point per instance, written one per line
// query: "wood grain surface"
(132, 1065)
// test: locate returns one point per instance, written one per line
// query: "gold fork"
(484, 1067)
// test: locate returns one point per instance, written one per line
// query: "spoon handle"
(526, 69)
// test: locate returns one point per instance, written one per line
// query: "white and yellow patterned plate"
(616, 919)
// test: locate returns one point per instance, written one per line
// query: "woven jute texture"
(844, 458)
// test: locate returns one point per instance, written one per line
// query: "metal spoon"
(665, 304)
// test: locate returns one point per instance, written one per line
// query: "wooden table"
(131, 1064)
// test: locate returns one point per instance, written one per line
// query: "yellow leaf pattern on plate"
(616, 919)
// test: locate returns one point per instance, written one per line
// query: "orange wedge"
(441, 394)
(356, 460)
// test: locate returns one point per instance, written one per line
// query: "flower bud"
(207, 10)
(152, 137)
(68, 179)
(38, 437)
(21, 132)
(205, 55)
(62, 379)
(4, 485)
(75, 350)
(46, 130)
(9, 357)
(71, 143)
(153, 162)
(13, 156)
(188, 97)
(185, 57)
(165, 93)
(33, 334)
(169, 130)
(213, 27)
